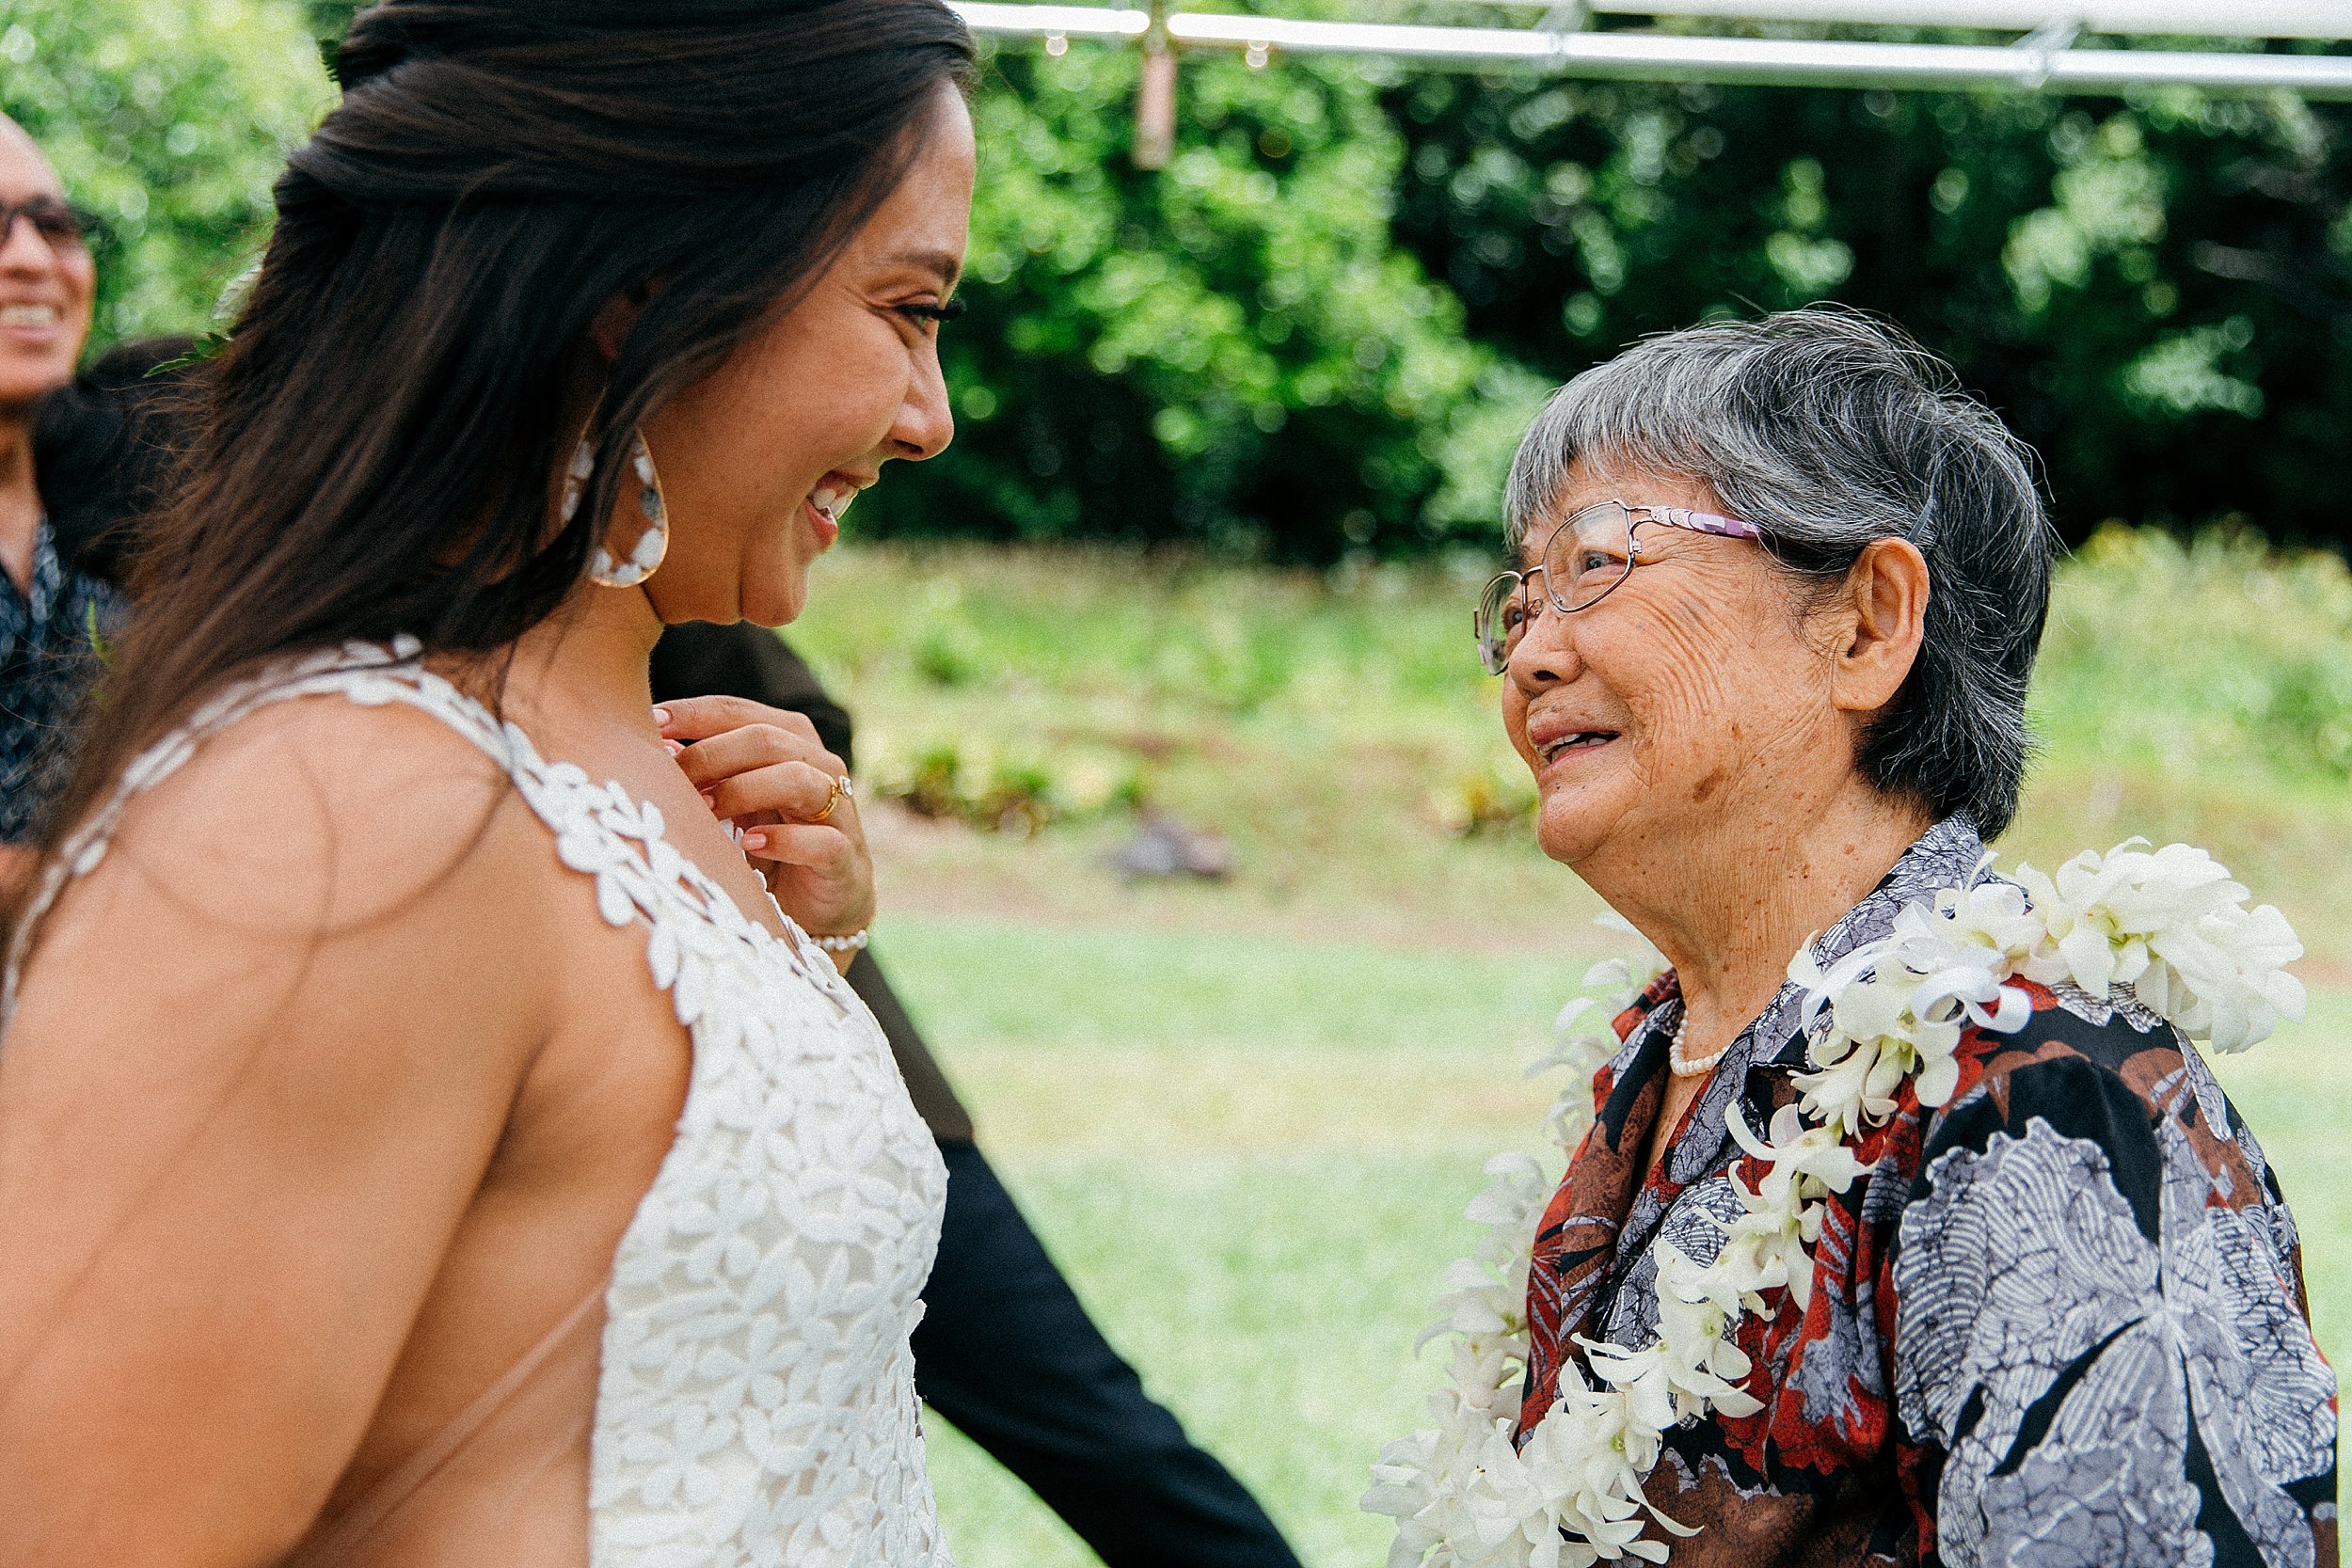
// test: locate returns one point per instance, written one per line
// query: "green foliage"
(1131, 649)
(170, 120)
(2158, 293)
(1494, 797)
(2260, 692)
(1336, 727)
(1122, 634)
(1016, 787)
(1320, 330)
(1231, 350)
(331, 20)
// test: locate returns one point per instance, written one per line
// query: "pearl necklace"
(1674, 1060)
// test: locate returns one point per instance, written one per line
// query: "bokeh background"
(1230, 436)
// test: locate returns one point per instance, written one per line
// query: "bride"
(430, 1131)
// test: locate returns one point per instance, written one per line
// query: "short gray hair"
(1828, 429)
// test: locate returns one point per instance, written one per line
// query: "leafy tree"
(1321, 328)
(1231, 350)
(2158, 293)
(170, 121)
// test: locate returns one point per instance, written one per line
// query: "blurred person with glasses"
(1902, 1233)
(51, 616)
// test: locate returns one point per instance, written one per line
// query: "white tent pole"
(1071, 22)
(1784, 62)
(2248, 19)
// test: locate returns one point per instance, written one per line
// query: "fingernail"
(662, 717)
(755, 839)
(673, 747)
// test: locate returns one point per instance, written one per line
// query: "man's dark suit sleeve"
(699, 660)
(933, 1096)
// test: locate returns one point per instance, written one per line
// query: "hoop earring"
(652, 545)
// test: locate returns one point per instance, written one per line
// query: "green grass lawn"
(1246, 1116)
(1251, 1157)
(1335, 727)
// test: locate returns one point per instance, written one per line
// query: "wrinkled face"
(45, 287)
(758, 459)
(1678, 704)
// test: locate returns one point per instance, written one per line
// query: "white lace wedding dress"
(754, 1391)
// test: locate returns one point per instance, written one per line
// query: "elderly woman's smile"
(1556, 737)
(1689, 697)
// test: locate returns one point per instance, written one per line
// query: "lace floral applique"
(756, 1400)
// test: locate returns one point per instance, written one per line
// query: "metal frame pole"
(1770, 62)
(2249, 19)
(1155, 95)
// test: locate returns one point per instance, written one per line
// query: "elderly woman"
(1832, 1290)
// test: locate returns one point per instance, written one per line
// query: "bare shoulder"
(323, 812)
(264, 1052)
(318, 853)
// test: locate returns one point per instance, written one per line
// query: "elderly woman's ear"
(1877, 621)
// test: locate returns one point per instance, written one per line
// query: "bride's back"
(416, 999)
(399, 1124)
(381, 1114)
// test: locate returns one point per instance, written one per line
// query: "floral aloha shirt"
(2060, 1320)
(47, 661)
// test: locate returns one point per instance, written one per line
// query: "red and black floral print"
(2060, 1320)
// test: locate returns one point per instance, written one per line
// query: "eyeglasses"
(1587, 555)
(66, 226)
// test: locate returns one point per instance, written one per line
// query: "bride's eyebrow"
(940, 264)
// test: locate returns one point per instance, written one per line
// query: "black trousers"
(1006, 1352)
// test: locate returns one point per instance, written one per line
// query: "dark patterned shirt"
(2060, 1320)
(46, 663)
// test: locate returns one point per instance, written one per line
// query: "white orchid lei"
(2167, 927)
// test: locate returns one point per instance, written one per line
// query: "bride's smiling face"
(758, 459)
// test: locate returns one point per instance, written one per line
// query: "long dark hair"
(373, 448)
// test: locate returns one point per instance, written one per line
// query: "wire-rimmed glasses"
(1587, 555)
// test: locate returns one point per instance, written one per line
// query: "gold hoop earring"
(653, 545)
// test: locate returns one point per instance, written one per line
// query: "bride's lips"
(828, 501)
(828, 528)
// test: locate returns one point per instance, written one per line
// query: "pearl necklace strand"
(1674, 1060)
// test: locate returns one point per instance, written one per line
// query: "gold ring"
(832, 799)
